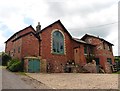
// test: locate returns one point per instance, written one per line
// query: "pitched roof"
(81, 41)
(19, 32)
(59, 22)
(89, 35)
(24, 35)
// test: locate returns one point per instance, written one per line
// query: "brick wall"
(30, 46)
(8, 47)
(17, 49)
(80, 48)
(101, 52)
(24, 44)
(56, 61)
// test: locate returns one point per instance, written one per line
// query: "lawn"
(117, 72)
(2, 67)
(20, 73)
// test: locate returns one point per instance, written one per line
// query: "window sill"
(58, 53)
(86, 54)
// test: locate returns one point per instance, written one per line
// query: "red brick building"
(55, 44)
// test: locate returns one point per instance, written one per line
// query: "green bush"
(11, 62)
(15, 65)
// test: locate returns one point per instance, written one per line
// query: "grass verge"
(117, 72)
(21, 73)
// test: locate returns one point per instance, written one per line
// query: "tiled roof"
(86, 35)
(81, 41)
(19, 32)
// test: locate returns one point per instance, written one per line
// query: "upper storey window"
(57, 42)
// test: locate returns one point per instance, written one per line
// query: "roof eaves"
(58, 21)
(81, 41)
(95, 37)
(24, 35)
(19, 32)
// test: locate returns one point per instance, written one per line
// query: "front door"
(77, 55)
(97, 64)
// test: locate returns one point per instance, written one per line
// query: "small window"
(16, 36)
(108, 48)
(76, 51)
(91, 50)
(14, 50)
(85, 49)
(9, 52)
(109, 60)
(18, 49)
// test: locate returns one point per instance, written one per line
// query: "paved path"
(12, 81)
(16, 81)
(77, 80)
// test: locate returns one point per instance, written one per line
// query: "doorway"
(97, 64)
(77, 55)
(34, 65)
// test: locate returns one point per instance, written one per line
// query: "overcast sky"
(97, 17)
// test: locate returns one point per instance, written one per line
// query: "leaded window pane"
(58, 43)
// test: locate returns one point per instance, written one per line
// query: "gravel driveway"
(77, 80)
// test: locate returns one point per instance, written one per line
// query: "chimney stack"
(38, 27)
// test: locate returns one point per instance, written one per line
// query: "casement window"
(57, 43)
(109, 60)
(109, 48)
(18, 49)
(91, 50)
(85, 49)
(9, 53)
(14, 50)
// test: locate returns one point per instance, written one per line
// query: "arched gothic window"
(57, 43)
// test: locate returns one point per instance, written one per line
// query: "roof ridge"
(49, 25)
(58, 21)
(96, 37)
(19, 32)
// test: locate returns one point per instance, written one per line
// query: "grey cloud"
(56, 9)
(8, 11)
(101, 31)
(60, 10)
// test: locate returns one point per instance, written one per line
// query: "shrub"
(11, 62)
(15, 65)
(5, 59)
